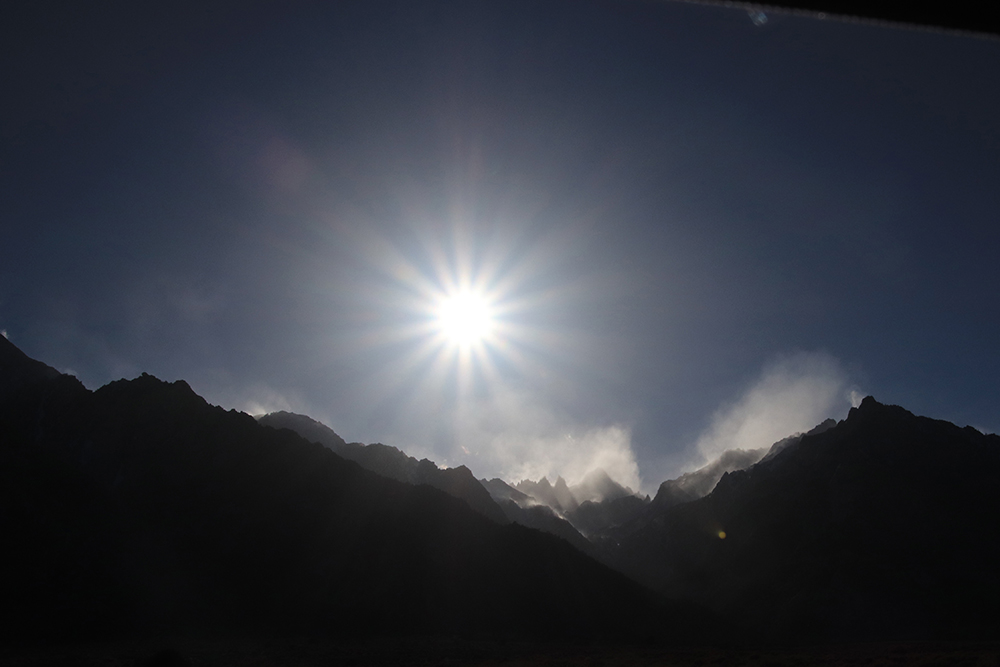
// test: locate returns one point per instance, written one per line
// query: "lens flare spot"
(722, 534)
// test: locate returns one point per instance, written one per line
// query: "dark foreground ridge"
(139, 509)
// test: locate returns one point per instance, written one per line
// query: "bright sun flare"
(465, 318)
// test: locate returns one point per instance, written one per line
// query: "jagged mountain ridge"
(390, 462)
(698, 483)
(597, 486)
(880, 527)
(590, 508)
(494, 499)
(139, 508)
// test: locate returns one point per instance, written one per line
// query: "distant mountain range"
(140, 509)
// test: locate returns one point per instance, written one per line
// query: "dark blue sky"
(702, 231)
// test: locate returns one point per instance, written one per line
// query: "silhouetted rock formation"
(392, 463)
(880, 527)
(139, 508)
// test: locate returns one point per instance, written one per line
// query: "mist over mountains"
(139, 508)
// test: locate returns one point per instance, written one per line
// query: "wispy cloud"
(520, 437)
(793, 394)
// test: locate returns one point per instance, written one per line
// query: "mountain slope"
(698, 483)
(19, 371)
(881, 527)
(392, 463)
(527, 511)
(139, 508)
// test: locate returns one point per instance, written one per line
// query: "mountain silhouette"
(139, 508)
(693, 485)
(698, 483)
(392, 463)
(18, 371)
(883, 526)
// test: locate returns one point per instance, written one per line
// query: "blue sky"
(697, 231)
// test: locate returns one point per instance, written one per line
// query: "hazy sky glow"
(691, 229)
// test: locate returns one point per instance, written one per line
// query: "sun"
(465, 318)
